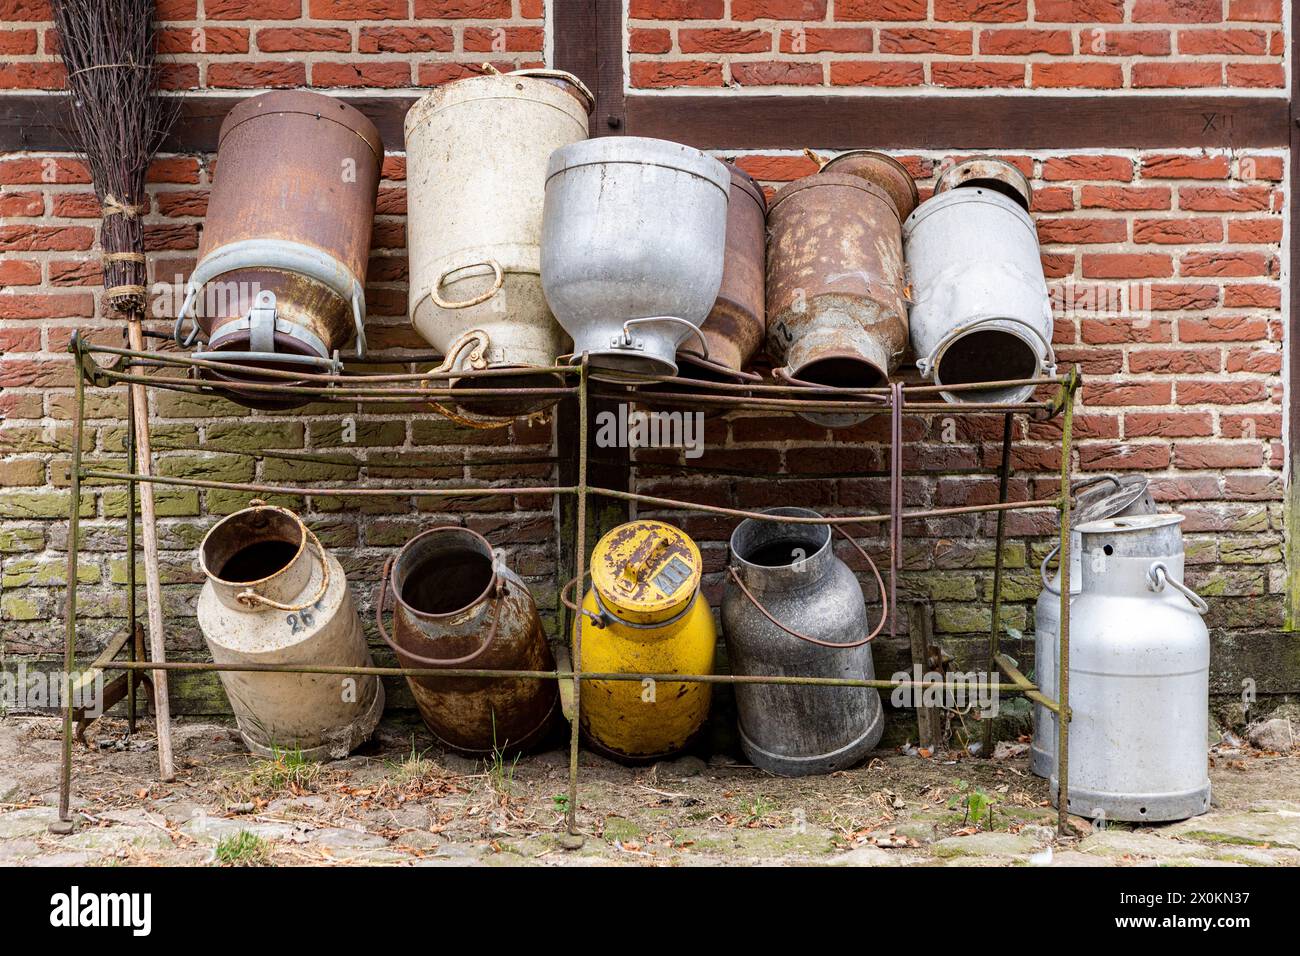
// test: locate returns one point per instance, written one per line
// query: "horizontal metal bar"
(257, 488)
(1024, 685)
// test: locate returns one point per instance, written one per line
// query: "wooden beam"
(35, 121)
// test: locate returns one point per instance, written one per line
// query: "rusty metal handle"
(498, 282)
(880, 584)
(596, 619)
(499, 588)
(248, 597)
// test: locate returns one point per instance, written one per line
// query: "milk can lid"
(646, 571)
(1108, 497)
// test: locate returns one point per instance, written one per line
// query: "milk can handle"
(691, 326)
(499, 588)
(1042, 570)
(596, 619)
(248, 597)
(1158, 576)
(498, 280)
(884, 603)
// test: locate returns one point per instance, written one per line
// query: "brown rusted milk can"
(734, 328)
(836, 314)
(883, 170)
(457, 605)
(279, 282)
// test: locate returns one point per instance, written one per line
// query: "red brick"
(435, 74)
(1229, 42)
(18, 42)
(1234, 392)
(818, 40)
(67, 272)
(1224, 198)
(174, 169)
(76, 205)
(877, 74)
(1126, 265)
(1267, 75)
(208, 40)
(31, 238)
(1180, 361)
(1176, 74)
(777, 73)
(981, 11)
(777, 168)
(1255, 11)
(1175, 166)
(532, 9)
(304, 39)
(1168, 425)
(31, 76)
(1053, 199)
(371, 74)
(722, 40)
(175, 10)
(1260, 167)
(921, 40)
(255, 75)
(360, 10)
(1177, 231)
(1255, 360)
(683, 73)
(1218, 455)
(460, 10)
(649, 41)
(1025, 42)
(1250, 425)
(1079, 11)
(1080, 231)
(1163, 297)
(1224, 263)
(178, 76)
(183, 203)
(972, 74)
(872, 10)
(1123, 457)
(1116, 331)
(1177, 11)
(677, 9)
(1255, 230)
(803, 10)
(15, 272)
(25, 10)
(252, 9)
(1087, 167)
(56, 306)
(1127, 393)
(1104, 42)
(1252, 487)
(1125, 197)
(1245, 296)
(1085, 74)
(21, 204)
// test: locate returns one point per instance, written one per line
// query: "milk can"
(1139, 676)
(996, 175)
(1104, 497)
(283, 254)
(644, 614)
(792, 608)
(476, 174)
(273, 595)
(457, 605)
(883, 170)
(980, 307)
(633, 242)
(835, 309)
(734, 328)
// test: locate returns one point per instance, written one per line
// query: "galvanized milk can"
(633, 241)
(980, 307)
(793, 609)
(883, 170)
(282, 259)
(457, 605)
(273, 595)
(476, 174)
(1106, 496)
(1139, 676)
(735, 327)
(644, 613)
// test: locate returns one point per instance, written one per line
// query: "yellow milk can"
(644, 613)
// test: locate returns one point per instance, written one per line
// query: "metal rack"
(169, 370)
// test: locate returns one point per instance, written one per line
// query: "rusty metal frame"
(415, 388)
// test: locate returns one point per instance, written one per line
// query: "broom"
(118, 123)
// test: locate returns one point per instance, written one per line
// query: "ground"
(400, 802)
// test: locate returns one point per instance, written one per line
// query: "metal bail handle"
(249, 598)
(880, 584)
(499, 278)
(1158, 576)
(628, 342)
(499, 589)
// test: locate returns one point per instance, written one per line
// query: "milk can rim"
(302, 544)
(432, 615)
(1130, 523)
(785, 512)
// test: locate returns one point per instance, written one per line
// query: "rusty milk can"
(282, 261)
(476, 177)
(735, 327)
(273, 595)
(458, 605)
(836, 315)
(883, 170)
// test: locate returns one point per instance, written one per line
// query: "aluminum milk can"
(735, 327)
(456, 604)
(644, 613)
(1105, 497)
(280, 277)
(980, 308)
(476, 175)
(633, 244)
(792, 608)
(1139, 676)
(996, 175)
(273, 595)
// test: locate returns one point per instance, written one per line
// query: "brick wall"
(957, 44)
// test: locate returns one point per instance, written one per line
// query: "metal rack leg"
(70, 637)
(1063, 653)
(571, 810)
(995, 629)
(130, 562)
